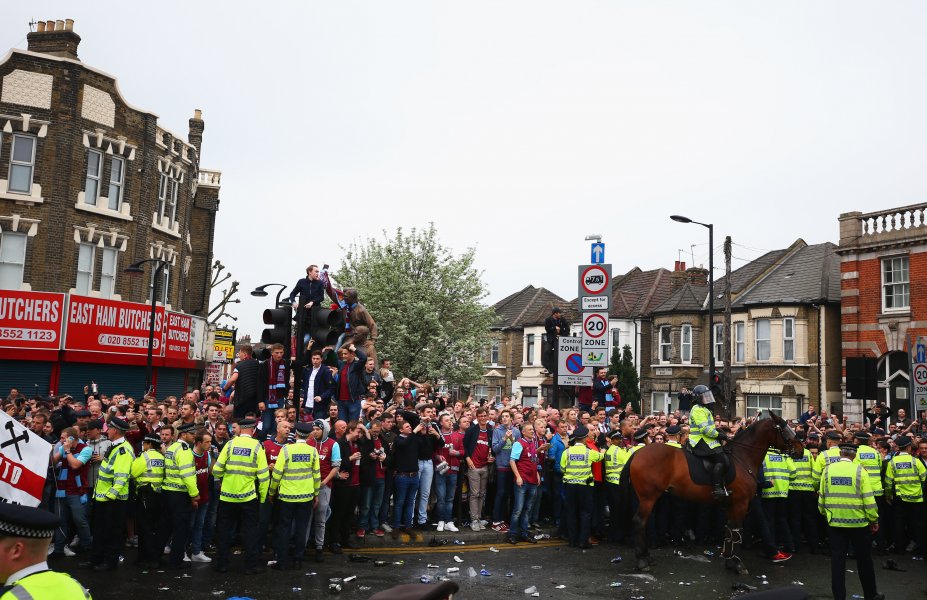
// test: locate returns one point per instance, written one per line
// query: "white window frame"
(19, 263)
(108, 279)
(900, 289)
(91, 199)
(764, 402)
(685, 353)
(719, 342)
(665, 345)
(30, 165)
(116, 185)
(529, 395)
(666, 402)
(83, 283)
(494, 352)
(162, 194)
(174, 186)
(740, 347)
(766, 341)
(529, 349)
(788, 339)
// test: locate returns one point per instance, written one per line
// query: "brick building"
(90, 184)
(883, 263)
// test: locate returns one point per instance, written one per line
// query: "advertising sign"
(179, 342)
(23, 463)
(31, 320)
(100, 325)
(224, 342)
(571, 370)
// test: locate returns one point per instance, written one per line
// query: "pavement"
(554, 569)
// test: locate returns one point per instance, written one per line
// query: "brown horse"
(658, 468)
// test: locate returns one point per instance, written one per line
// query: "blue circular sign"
(574, 363)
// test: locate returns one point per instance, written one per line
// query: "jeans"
(209, 528)
(198, 526)
(387, 494)
(371, 498)
(70, 507)
(504, 480)
(349, 410)
(405, 488)
(426, 472)
(524, 498)
(268, 424)
(445, 487)
(476, 480)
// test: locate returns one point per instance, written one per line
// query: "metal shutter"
(171, 383)
(31, 378)
(110, 379)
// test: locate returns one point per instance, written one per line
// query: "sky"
(519, 128)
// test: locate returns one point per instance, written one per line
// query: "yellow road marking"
(452, 549)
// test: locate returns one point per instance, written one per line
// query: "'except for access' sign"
(570, 368)
(595, 339)
(593, 303)
(595, 281)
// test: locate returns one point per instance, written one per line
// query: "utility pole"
(727, 387)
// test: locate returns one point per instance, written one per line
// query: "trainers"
(167, 549)
(449, 526)
(361, 533)
(186, 558)
(475, 525)
(380, 531)
(440, 525)
(200, 558)
(132, 542)
(69, 552)
(501, 527)
(780, 556)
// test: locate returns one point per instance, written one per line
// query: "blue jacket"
(324, 384)
(502, 449)
(555, 450)
(356, 385)
(308, 290)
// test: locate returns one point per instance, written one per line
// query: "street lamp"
(261, 291)
(136, 269)
(711, 292)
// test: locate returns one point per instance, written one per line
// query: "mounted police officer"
(706, 440)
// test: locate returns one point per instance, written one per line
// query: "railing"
(893, 220)
(210, 178)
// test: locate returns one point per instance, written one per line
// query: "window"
(719, 342)
(12, 259)
(529, 396)
(739, 349)
(116, 179)
(666, 402)
(108, 274)
(761, 331)
(494, 352)
(171, 208)
(164, 285)
(666, 344)
(484, 392)
(167, 197)
(529, 349)
(85, 255)
(757, 402)
(162, 194)
(22, 163)
(686, 343)
(788, 339)
(895, 283)
(92, 183)
(616, 338)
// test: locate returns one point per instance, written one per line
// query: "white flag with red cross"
(23, 463)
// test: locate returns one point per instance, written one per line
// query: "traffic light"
(716, 383)
(325, 325)
(281, 321)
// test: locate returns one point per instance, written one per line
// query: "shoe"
(501, 527)
(483, 523)
(361, 533)
(395, 533)
(440, 525)
(352, 546)
(513, 540)
(385, 527)
(910, 547)
(200, 557)
(379, 532)
(780, 556)
(527, 538)
(593, 541)
(69, 552)
(335, 549)
(319, 555)
(475, 526)
(132, 542)
(255, 570)
(167, 550)
(449, 526)
(186, 558)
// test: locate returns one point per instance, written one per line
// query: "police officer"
(615, 458)
(672, 436)
(802, 500)
(576, 464)
(904, 480)
(111, 496)
(778, 471)
(642, 438)
(705, 439)
(180, 494)
(242, 469)
(846, 500)
(295, 483)
(25, 534)
(831, 455)
(148, 475)
(871, 460)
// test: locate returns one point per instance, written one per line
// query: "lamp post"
(261, 291)
(711, 292)
(136, 269)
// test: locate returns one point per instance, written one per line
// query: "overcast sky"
(521, 127)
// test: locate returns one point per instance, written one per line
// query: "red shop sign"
(31, 320)
(98, 325)
(179, 332)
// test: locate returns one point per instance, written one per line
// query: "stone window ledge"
(125, 212)
(34, 198)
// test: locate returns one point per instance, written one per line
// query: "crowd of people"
(184, 478)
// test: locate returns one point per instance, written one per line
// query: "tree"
(426, 302)
(226, 295)
(628, 385)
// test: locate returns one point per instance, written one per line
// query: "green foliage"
(426, 302)
(628, 384)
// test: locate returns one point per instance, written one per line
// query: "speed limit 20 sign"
(595, 339)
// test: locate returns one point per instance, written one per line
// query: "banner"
(224, 346)
(31, 320)
(99, 325)
(23, 463)
(179, 336)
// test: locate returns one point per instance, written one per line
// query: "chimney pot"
(56, 38)
(49, 25)
(197, 114)
(69, 24)
(59, 25)
(40, 26)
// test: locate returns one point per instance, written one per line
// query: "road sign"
(595, 324)
(593, 303)
(595, 339)
(598, 253)
(918, 351)
(595, 283)
(571, 370)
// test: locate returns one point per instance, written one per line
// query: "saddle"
(700, 469)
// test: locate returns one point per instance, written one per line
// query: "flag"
(23, 463)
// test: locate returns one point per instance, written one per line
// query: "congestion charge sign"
(100, 325)
(31, 320)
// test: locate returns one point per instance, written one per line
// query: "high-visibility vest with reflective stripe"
(576, 464)
(615, 458)
(871, 460)
(778, 470)
(113, 478)
(800, 480)
(831, 455)
(46, 584)
(148, 469)
(242, 467)
(296, 476)
(673, 444)
(907, 474)
(845, 497)
(702, 427)
(635, 448)
(179, 470)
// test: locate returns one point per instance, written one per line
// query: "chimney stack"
(56, 38)
(195, 136)
(697, 276)
(678, 276)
